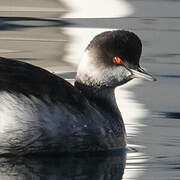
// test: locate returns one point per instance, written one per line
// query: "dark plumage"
(42, 113)
(124, 44)
(23, 78)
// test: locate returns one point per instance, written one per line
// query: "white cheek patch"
(86, 67)
(114, 73)
(88, 72)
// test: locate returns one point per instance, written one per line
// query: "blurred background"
(54, 33)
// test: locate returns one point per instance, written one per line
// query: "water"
(45, 33)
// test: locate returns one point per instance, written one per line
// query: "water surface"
(53, 34)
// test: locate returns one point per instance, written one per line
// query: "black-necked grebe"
(42, 113)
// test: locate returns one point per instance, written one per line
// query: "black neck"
(102, 98)
(97, 95)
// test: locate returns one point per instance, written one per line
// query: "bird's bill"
(141, 73)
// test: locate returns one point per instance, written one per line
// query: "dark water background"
(36, 31)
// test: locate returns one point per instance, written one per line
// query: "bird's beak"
(141, 73)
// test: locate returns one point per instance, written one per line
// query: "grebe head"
(112, 59)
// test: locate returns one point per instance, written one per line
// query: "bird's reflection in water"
(63, 168)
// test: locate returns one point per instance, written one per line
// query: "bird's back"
(22, 78)
(41, 112)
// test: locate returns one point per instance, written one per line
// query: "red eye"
(117, 60)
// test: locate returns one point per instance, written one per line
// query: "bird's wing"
(23, 78)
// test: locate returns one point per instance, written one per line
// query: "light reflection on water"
(38, 32)
(98, 9)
